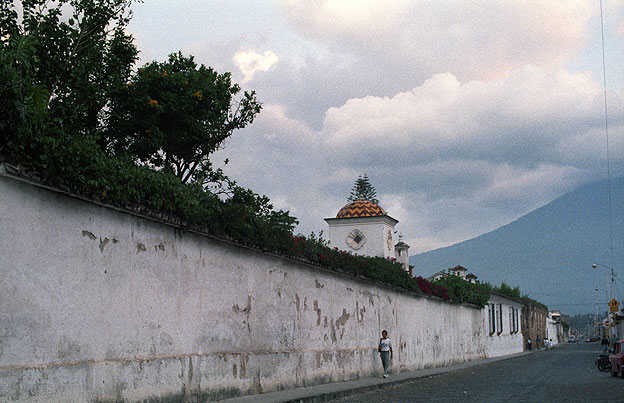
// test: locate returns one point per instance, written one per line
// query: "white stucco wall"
(100, 304)
(506, 340)
(379, 233)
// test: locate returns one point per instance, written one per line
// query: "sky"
(465, 115)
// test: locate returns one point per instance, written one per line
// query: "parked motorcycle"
(602, 363)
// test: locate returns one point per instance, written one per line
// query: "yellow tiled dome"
(361, 208)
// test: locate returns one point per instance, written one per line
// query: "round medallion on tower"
(361, 208)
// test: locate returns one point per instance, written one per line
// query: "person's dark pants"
(385, 361)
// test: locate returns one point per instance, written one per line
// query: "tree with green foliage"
(173, 115)
(60, 61)
(363, 190)
(65, 67)
(506, 289)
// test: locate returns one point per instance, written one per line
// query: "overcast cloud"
(465, 115)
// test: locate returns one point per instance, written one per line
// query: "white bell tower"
(364, 228)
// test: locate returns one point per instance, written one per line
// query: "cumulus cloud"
(473, 40)
(516, 120)
(249, 62)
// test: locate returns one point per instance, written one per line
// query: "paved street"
(564, 374)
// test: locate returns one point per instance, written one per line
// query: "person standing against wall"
(385, 351)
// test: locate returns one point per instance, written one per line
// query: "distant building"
(458, 270)
(557, 327)
(552, 330)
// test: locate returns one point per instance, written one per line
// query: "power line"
(604, 81)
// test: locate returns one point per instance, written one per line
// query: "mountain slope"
(549, 252)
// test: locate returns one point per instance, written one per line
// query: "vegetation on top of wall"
(460, 290)
(506, 289)
(432, 289)
(315, 249)
(534, 303)
(514, 292)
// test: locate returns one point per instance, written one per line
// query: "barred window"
(491, 319)
(499, 318)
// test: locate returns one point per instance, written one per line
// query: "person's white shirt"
(385, 344)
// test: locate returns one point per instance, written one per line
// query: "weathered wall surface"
(534, 324)
(100, 304)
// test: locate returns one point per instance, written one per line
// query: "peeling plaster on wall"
(361, 312)
(169, 322)
(103, 243)
(318, 313)
(332, 331)
(371, 297)
(89, 235)
(342, 320)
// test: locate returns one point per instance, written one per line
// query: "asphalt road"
(564, 374)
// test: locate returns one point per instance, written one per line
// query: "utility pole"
(613, 304)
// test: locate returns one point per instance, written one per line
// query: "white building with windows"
(502, 318)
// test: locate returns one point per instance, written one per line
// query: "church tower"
(364, 228)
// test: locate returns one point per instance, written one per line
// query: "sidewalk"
(328, 391)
